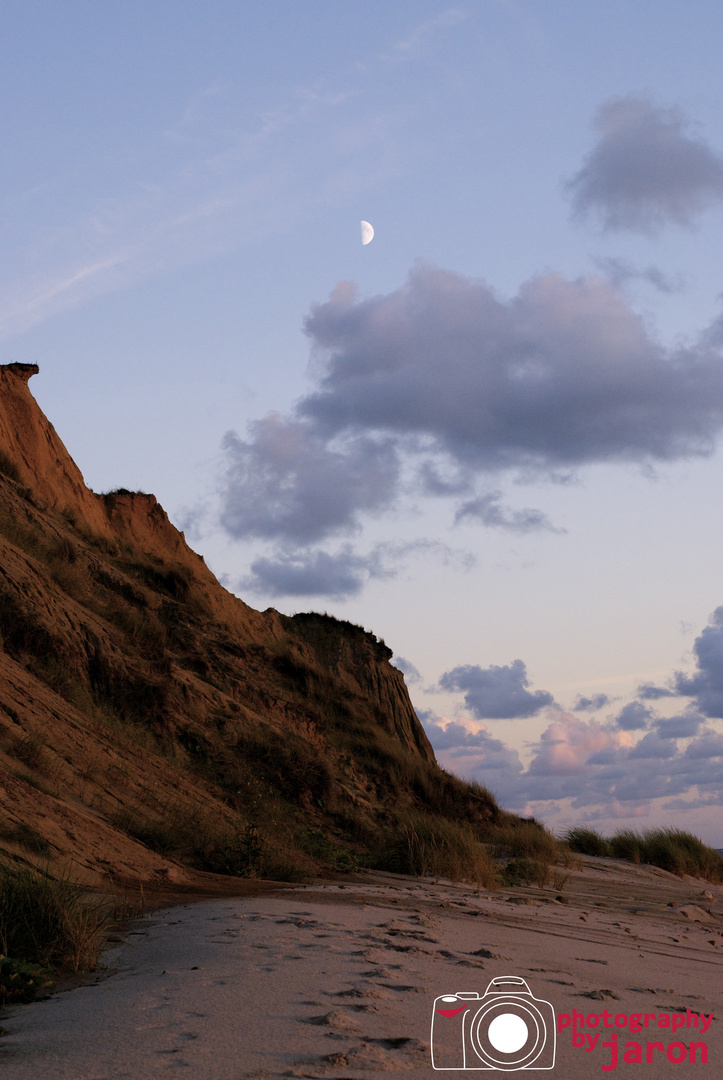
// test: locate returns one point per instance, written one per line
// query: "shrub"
(48, 921)
(21, 982)
(290, 765)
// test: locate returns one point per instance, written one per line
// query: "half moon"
(367, 232)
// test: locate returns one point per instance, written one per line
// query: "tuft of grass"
(586, 841)
(525, 840)
(627, 844)
(529, 871)
(29, 749)
(48, 921)
(425, 845)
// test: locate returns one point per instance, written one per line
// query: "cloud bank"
(616, 767)
(596, 768)
(646, 169)
(441, 384)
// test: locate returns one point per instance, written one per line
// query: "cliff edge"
(151, 722)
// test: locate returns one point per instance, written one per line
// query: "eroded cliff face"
(44, 465)
(149, 718)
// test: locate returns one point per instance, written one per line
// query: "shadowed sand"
(339, 980)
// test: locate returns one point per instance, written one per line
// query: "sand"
(340, 980)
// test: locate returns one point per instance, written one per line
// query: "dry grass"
(433, 846)
(524, 840)
(48, 921)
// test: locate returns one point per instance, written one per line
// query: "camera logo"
(507, 1028)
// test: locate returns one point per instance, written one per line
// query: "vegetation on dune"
(47, 925)
(674, 850)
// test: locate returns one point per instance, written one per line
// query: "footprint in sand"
(381, 1055)
(363, 990)
(337, 1020)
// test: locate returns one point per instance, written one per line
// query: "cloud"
(586, 704)
(706, 685)
(650, 692)
(634, 717)
(410, 672)
(487, 509)
(592, 767)
(653, 745)
(496, 692)
(646, 169)
(596, 767)
(709, 745)
(619, 272)
(458, 740)
(444, 373)
(314, 573)
(679, 727)
(568, 743)
(288, 482)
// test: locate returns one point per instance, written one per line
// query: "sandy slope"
(340, 980)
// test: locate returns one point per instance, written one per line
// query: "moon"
(367, 232)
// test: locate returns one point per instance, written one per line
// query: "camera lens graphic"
(508, 1033)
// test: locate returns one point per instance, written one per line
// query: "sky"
(492, 435)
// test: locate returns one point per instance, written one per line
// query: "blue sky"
(491, 435)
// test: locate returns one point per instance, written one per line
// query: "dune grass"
(425, 845)
(674, 850)
(587, 841)
(50, 922)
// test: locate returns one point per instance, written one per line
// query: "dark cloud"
(488, 510)
(653, 745)
(709, 745)
(706, 684)
(563, 374)
(649, 692)
(444, 373)
(679, 727)
(586, 704)
(496, 692)
(314, 573)
(634, 717)
(646, 169)
(289, 482)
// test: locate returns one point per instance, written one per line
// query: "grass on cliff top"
(674, 850)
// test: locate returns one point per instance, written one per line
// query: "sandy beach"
(341, 979)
